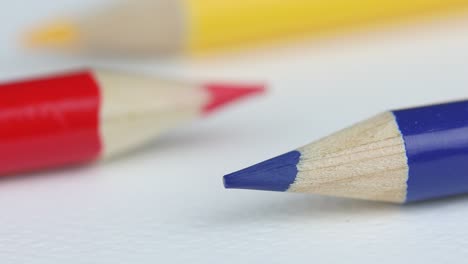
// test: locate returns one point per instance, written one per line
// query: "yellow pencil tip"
(54, 35)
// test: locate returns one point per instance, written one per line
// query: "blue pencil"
(399, 156)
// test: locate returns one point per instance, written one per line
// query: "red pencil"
(90, 115)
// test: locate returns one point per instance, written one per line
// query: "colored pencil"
(88, 115)
(193, 26)
(399, 156)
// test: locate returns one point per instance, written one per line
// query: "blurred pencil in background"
(194, 26)
(90, 115)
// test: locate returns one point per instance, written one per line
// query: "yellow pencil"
(181, 26)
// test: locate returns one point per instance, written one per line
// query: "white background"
(166, 204)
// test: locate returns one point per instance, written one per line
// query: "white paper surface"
(166, 203)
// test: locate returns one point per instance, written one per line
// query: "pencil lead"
(60, 34)
(276, 174)
(222, 94)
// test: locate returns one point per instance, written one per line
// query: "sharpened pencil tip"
(276, 174)
(222, 94)
(60, 34)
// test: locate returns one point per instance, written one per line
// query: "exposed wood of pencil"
(144, 26)
(365, 161)
(136, 109)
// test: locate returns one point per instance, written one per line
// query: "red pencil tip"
(222, 94)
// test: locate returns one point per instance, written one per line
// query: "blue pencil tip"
(276, 174)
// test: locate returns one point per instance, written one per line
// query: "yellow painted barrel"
(215, 24)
